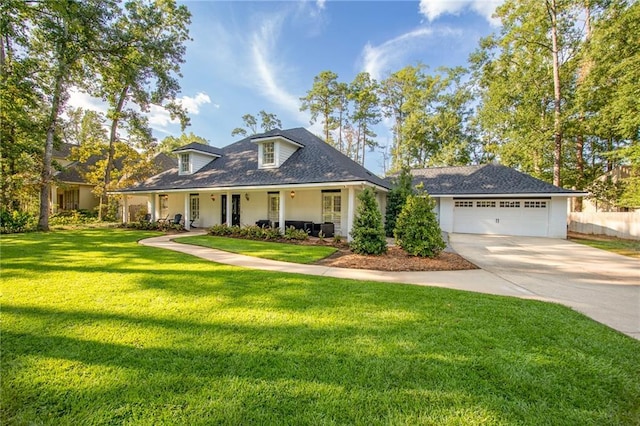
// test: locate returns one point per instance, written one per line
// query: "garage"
(528, 217)
(495, 199)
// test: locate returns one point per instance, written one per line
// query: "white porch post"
(125, 209)
(152, 207)
(351, 203)
(281, 215)
(228, 208)
(186, 211)
(54, 199)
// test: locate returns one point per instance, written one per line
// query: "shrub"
(396, 200)
(368, 232)
(417, 230)
(292, 233)
(16, 221)
(220, 230)
(73, 217)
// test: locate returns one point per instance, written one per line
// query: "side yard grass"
(629, 248)
(294, 253)
(97, 329)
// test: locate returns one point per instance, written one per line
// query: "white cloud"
(269, 71)
(192, 105)
(78, 99)
(377, 60)
(320, 4)
(432, 9)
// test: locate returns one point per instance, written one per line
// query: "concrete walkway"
(478, 280)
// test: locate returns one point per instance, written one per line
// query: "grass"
(294, 253)
(97, 329)
(629, 248)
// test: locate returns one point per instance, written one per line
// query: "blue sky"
(248, 56)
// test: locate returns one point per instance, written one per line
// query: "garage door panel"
(502, 216)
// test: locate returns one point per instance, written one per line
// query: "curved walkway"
(486, 281)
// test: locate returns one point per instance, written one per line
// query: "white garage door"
(502, 216)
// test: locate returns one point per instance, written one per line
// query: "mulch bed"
(396, 259)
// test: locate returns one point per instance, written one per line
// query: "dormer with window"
(195, 156)
(273, 151)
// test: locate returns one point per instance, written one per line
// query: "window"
(71, 199)
(268, 156)
(274, 207)
(194, 203)
(184, 163)
(463, 204)
(535, 204)
(485, 203)
(510, 204)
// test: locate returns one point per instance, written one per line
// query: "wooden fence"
(621, 225)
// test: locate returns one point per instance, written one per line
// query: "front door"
(235, 210)
(332, 210)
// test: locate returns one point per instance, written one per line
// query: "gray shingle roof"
(316, 162)
(195, 146)
(482, 179)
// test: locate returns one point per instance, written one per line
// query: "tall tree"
(21, 116)
(525, 73)
(397, 92)
(61, 35)
(146, 49)
(323, 100)
(268, 121)
(363, 92)
(169, 143)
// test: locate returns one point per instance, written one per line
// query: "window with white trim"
(510, 204)
(485, 203)
(268, 154)
(535, 204)
(184, 163)
(463, 204)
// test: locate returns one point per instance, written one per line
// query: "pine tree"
(368, 232)
(417, 230)
(396, 199)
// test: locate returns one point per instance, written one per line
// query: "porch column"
(229, 208)
(281, 215)
(351, 203)
(125, 209)
(152, 207)
(54, 199)
(186, 211)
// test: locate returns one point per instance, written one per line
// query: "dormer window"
(268, 154)
(274, 150)
(185, 166)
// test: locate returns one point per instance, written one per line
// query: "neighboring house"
(494, 199)
(276, 177)
(616, 175)
(70, 191)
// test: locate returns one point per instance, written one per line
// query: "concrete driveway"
(602, 285)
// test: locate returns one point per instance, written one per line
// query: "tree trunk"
(46, 175)
(557, 95)
(112, 147)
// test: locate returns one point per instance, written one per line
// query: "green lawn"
(629, 248)
(294, 253)
(97, 329)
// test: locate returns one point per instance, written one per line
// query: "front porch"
(335, 204)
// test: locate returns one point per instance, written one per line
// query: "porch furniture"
(163, 219)
(176, 219)
(264, 223)
(327, 229)
(146, 218)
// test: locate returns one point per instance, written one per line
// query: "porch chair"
(163, 219)
(176, 219)
(146, 218)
